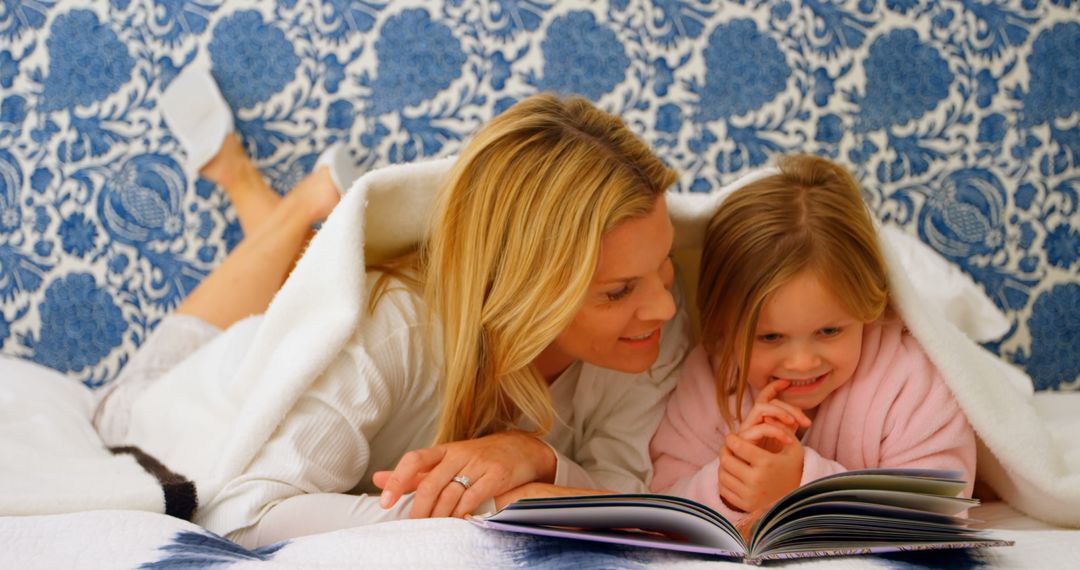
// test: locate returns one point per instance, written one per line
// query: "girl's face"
(806, 336)
(618, 325)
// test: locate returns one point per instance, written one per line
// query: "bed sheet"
(129, 539)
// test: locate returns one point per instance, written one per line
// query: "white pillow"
(53, 460)
(946, 288)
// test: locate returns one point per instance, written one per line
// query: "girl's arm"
(686, 447)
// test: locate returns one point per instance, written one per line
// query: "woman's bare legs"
(276, 230)
(248, 191)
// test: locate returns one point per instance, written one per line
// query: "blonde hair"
(811, 215)
(514, 245)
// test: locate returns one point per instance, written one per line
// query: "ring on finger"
(462, 480)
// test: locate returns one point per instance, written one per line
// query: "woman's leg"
(248, 191)
(276, 230)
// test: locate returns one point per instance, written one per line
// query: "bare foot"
(233, 171)
(230, 165)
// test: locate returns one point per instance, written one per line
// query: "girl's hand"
(768, 408)
(494, 464)
(752, 478)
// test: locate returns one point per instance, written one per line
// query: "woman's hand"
(752, 478)
(493, 464)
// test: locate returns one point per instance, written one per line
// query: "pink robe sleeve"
(909, 418)
(686, 447)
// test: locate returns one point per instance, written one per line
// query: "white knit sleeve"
(324, 443)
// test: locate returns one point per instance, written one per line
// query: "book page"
(675, 521)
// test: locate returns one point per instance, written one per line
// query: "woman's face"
(629, 299)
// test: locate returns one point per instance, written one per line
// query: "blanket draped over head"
(206, 422)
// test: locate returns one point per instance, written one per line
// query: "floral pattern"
(960, 119)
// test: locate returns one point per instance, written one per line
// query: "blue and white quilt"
(128, 539)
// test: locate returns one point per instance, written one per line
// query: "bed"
(960, 120)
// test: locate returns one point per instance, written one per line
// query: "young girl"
(802, 371)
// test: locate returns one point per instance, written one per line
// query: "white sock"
(197, 115)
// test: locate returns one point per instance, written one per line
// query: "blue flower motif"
(745, 69)
(40, 179)
(1028, 264)
(901, 6)
(671, 19)
(781, 10)
(582, 56)
(340, 115)
(5, 329)
(173, 19)
(823, 87)
(418, 58)
(501, 105)
(1055, 337)
(9, 68)
(253, 60)
(500, 70)
(141, 202)
(205, 550)
(508, 17)
(334, 74)
(42, 219)
(942, 19)
(830, 129)
(118, 264)
(87, 62)
(867, 6)
(665, 76)
(80, 324)
(1027, 235)
(18, 16)
(904, 79)
(862, 153)
(10, 183)
(338, 19)
(18, 273)
(1063, 246)
(668, 118)
(963, 218)
(13, 110)
(207, 253)
(1055, 75)
(77, 234)
(1024, 196)
(991, 129)
(986, 86)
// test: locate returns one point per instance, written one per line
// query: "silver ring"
(463, 480)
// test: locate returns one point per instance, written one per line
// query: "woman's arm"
(613, 415)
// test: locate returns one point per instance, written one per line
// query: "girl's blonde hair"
(811, 215)
(514, 245)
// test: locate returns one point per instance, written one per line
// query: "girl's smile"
(806, 336)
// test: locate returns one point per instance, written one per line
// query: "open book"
(857, 512)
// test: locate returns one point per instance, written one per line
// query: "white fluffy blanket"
(207, 421)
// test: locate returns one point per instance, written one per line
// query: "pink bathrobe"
(896, 411)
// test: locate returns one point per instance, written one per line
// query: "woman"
(537, 302)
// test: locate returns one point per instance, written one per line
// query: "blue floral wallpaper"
(959, 117)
